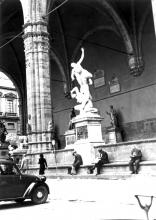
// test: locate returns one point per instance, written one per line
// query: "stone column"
(36, 43)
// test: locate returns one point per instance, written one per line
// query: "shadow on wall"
(57, 139)
(120, 125)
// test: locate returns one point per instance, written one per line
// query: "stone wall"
(121, 152)
(117, 153)
(135, 101)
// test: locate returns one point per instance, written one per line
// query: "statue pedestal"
(88, 134)
(114, 136)
(70, 138)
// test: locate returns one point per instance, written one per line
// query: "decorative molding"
(136, 65)
(35, 34)
(44, 23)
(10, 95)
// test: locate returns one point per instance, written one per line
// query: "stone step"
(113, 170)
(90, 176)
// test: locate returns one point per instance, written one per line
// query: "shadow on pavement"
(14, 205)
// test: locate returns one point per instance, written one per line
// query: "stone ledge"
(125, 163)
(117, 163)
(152, 140)
(91, 176)
(52, 166)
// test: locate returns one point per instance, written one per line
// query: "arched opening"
(10, 112)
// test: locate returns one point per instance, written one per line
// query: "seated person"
(102, 159)
(136, 156)
(6, 169)
(77, 162)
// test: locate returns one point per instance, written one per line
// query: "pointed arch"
(89, 33)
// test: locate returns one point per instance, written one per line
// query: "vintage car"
(14, 185)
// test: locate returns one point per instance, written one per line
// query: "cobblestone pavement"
(79, 199)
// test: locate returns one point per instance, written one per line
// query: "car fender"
(29, 189)
(32, 186)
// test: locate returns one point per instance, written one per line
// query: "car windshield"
(8, 169)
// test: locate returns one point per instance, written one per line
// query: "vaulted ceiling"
(69, 26)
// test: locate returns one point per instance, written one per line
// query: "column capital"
(36, 34)
(36, 37)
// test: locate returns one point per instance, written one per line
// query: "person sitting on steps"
(102, 159)
(77, 163)
(136, 156)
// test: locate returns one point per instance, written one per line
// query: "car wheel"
(19, 200)
(39, 195)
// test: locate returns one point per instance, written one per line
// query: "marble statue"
(113, 117)
(84, 79)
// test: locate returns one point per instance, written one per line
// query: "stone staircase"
(119, 156)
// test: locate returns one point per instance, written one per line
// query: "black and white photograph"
(78, 109)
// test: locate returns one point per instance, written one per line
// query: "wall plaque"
(115, 88)
(99, 78)
(114, 85)
(70, 139)
(82, 132)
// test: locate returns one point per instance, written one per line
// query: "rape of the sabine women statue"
(82, 94)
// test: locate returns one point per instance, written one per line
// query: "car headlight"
(43, 178)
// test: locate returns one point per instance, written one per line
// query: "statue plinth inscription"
(70, 138)
(88, 128)
(82, 132)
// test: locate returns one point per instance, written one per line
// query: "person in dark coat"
(43, 164)
(136, 156)
(102, 159)
(77, 163)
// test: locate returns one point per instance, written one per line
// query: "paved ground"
(79, 199)
(109, 199)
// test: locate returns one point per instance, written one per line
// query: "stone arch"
(121, 27)
(141, 27)
(122, 30)
(20, 98)
(5, 72)
(90, 32)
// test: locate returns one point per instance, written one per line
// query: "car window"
(8, 169)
